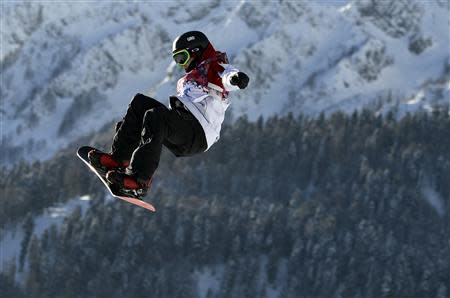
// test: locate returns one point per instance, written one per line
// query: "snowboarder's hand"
(240, 79)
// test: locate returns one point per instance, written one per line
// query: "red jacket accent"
(207, 71)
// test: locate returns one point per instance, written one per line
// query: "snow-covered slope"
(69, 68)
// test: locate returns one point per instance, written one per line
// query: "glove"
(240, 79)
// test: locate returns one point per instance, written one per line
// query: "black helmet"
(187, 45)
(191, 41)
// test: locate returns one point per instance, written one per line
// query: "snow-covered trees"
(330, 207)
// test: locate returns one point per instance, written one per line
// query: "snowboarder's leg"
(186, 135)
(128, 134)
(179, 131)
(145, 158)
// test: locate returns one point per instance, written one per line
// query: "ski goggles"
(181, 57)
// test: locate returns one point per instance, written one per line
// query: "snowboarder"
(189, 126)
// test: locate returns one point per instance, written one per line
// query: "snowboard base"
(129, 196)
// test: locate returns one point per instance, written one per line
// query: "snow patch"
(345, 8)
(209, 279)
(85, 198)
(434, 199)
(417, 98)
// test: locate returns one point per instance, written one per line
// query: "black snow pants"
(146, 126)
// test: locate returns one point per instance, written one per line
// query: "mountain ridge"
(302, 58)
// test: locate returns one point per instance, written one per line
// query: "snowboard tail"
(131, 196)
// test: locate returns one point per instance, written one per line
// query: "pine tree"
(28, 228)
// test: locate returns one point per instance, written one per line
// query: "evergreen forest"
(345, 205)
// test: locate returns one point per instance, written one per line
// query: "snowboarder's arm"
(233, 79)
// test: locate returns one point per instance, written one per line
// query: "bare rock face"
(396, 18)
(372, 60)
(399, 19)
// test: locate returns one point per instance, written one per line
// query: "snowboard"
(126, 195)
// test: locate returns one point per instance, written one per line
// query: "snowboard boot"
(129, 183)
(105, 161)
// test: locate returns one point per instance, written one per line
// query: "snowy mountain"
(70, 68)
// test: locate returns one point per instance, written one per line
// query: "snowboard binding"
(128, 184)
(132, 196)
(104, 162)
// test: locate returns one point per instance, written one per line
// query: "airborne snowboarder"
(190, 125)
